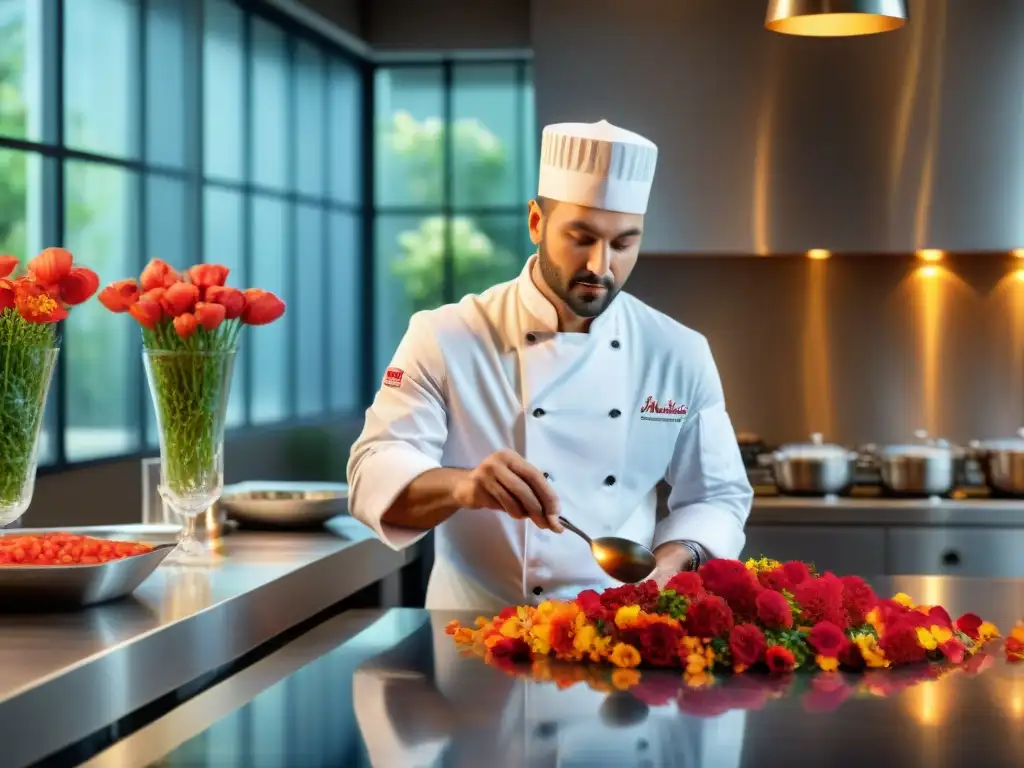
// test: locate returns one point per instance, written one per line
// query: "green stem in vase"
(190, 380)
(28, 352)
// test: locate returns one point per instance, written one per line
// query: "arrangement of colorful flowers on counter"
(191, 310)
(42, 295)
(733, 616)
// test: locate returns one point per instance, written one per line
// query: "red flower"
(186, 325)
(821, 599)
(511, 649)
(7, 265)
(561, 636)
(590, 603)
(968, 624)
(659, 644)
(35, 304)
(827, 639)
(7, 294)
(851, 657)
(939, 616)
(209, 315)
(796, 571)
(507, 613)
(773, 610)
(747, 644)
(899, 643)
(261, 307)
(710, 616)
(732, 581)
(1014, 650)
(120, 295)
(157, 274)
(51, 266)
(775, 579)
(858, 599)
(954, 650)
(645, 595)
(148, 313)
(687, 584)
(79, 286)
(232, 299)
(179, 298)
(208, 275)
(779, 659)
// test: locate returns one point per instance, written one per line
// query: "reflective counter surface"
(389, 689)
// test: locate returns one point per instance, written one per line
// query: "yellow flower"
(932, 638)
(540, 639)
(625, 655)
(463, 635)
(875, 620)
(511, 628)
(903, 599)
(1017, 633)
(599, 648)
(827, 663)
(584, 638)
(763, 564)
(987, 631)
(872, 654)
(626, 616)
(623, 679)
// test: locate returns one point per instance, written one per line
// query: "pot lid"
(1002, 443)
(815, 449)
(926, 448)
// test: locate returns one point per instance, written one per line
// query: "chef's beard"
(562, 285)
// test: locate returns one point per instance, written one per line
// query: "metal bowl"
(284, 504)
(36, 588)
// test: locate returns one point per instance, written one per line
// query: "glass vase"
(190, 395)
(25, 375)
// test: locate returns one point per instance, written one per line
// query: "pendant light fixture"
(835, 18)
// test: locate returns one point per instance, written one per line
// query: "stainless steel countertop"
(65, 676)
(786, 510)
(389, 688)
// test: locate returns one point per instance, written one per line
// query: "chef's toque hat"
(597, 165)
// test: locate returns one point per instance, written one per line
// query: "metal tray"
(284, 505)
(46, 588)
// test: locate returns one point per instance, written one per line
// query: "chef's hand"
(506, 482)
(672, 558)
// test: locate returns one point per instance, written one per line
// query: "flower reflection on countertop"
(711, 696)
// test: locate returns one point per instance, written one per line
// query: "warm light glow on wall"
(818, 253)
(930, 254)
(1018, 253)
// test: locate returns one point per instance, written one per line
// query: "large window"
(455, 164)
(190, 131)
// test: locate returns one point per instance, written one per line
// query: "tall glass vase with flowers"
(191, 322)
(33, 301)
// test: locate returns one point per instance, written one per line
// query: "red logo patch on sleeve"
(393, 377)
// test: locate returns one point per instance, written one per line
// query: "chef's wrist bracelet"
(696, 555)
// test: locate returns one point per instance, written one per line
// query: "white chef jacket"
(496, 720)
(605, 414)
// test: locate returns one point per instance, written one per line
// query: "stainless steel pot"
(813, 469)
(927, 468)
(1002, 463)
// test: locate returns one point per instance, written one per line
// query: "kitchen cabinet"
(839, 548)
(955, 551)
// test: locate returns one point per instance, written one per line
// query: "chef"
(554, 394)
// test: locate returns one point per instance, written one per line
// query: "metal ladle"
(622, 559)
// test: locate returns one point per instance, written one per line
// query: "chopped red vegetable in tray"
(65, 549)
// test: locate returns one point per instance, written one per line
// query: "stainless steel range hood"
(777, 144)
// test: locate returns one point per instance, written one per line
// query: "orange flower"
(118, 296)
(51, 266)
(79, 286)
(209, 315)
(208, 275)
(625, 655)
(261, 307)
(179, 298)
(147, 312)
(36, 305)
(232, 299)
(6, 294)
(452, 627)
(186, 325)
(157, 274)
(7, 265)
